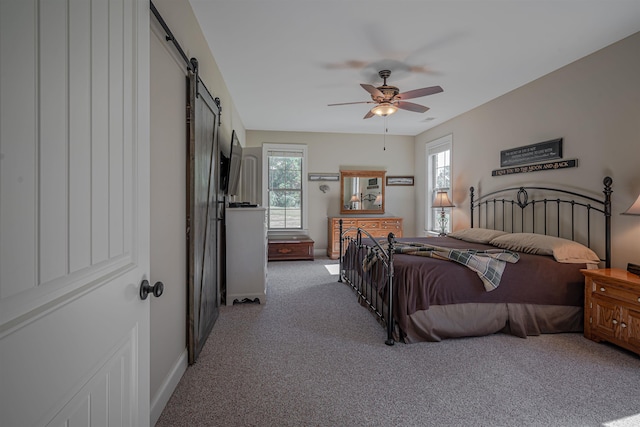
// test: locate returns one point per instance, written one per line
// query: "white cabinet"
(246, 236)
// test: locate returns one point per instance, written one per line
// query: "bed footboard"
(374, 285)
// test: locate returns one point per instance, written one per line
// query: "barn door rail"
(192, 64)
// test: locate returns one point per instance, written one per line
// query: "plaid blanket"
(488, 264)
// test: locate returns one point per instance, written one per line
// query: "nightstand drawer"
(613, 291)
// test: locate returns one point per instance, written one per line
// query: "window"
(284, 167)
(438, 167)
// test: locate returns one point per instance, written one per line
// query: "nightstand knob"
(602, 289)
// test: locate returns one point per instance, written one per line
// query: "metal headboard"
(504, 213)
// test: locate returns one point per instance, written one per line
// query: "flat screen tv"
(225, 163)
(224, 172)
(235, 164)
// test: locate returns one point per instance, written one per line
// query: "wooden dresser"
(612, 307)
(377, 226)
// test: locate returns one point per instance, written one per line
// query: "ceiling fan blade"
(353, 64)
(411, 106)
(368, 115)
(374, 91)
(417, 93)
(349, 103)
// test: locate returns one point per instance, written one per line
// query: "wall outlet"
(633, 268)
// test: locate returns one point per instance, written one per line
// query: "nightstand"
(612, 307)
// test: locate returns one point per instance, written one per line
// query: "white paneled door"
(74, 212)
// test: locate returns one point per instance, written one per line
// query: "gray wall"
(168, 184)
(331, 152)
(593, 103)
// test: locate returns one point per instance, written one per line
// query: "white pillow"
(563, 250)
(476, 235)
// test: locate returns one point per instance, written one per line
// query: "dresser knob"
(623, 325)
(602, 289)
(614, 321)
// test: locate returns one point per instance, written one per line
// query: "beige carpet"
(311, 356)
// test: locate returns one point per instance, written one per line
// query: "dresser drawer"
(346, 223)
(379, 233)
(391, 227)
(369, 225)
(336, 238)
(378, 227)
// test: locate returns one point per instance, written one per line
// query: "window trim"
(302, 148)
(432, 147)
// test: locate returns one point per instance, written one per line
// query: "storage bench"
(293, 247)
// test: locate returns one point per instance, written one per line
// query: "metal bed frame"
(494, 210)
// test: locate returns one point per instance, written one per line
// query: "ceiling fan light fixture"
(384, 109)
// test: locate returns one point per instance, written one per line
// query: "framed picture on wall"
(324, 177)
(399, 180)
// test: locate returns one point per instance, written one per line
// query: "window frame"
(432, 148)
(268, 148)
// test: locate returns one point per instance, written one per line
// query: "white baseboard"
(160, 400)
(320, 252)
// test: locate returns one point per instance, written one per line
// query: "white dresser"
(246, 236)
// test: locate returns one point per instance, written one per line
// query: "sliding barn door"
(202, 218)
(74, 212)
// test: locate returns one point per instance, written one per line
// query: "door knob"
(146, 289)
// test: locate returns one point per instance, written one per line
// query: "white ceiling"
(283, 61)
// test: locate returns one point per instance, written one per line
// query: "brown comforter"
(534, 281)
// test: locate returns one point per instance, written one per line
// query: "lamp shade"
(442, 200)
(378, 200)
(384, 109)
(355, 198)
(634, 209)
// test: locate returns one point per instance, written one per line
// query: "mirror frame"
(362, 174)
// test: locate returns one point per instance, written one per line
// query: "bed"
(435, 288)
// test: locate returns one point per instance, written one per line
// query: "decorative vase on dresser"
(378, 226)
(246, 236)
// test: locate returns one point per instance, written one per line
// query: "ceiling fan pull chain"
(384, 139)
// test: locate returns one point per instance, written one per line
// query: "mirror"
(362, 192)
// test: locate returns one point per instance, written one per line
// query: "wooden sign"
(541, 151)
(562, 164)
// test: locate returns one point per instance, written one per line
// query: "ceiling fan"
(389, 98)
